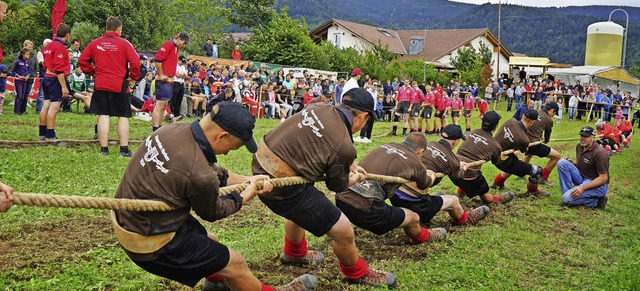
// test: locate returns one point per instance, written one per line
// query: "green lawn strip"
(529, 244)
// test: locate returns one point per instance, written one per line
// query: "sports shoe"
(498, 187)
(311, 258)
(176, 119)
(304, 282)
(543, 181)
(377, 278)
(357, 139)
(366, 140)
(126, 154)
(56, 142)
(393, 133)
(602, 202)
(41, 137)
(215, 286)
(506, 197)
(477, 214)
(437, 234)
(104, 153)
(437, 193)
(539, 193)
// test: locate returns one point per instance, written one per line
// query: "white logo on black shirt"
(508, 135)
(311, 121)
(394, 151)
(153, 153)
(436, 153)
(478, 139)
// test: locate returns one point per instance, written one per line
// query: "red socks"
(532, 187)
(215, 278)
(422, 237)
(356, 271)
(461, 220)
(499, 180)
(545, 174)
(295, 250)
(496, 199)
(266, 287)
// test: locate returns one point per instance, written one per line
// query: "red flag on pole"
(57, 14)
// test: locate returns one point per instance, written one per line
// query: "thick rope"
(70, 201)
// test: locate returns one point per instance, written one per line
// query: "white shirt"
(350, 84)
(179, 70)
(40, 57)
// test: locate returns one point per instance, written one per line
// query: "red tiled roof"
(374, 35)
(436, 44)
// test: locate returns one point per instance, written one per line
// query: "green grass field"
(528, 244)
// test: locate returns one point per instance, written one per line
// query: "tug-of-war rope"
(72, 201)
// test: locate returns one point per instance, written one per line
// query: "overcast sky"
(559, 3)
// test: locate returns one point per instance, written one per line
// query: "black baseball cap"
(531, 114)
(587, 131)
(452, 132)
(184, 36)
(236, 120)
(552, 105)
(360, 99)
(491, 119)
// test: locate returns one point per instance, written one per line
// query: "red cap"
(356, 71)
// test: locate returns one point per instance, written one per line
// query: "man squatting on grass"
(480, 145)
(177, 165)
(586, 181)
(544, 124)
(364, 203)
(439, 157)
(116, 66)
(513, 136)
(317, 144)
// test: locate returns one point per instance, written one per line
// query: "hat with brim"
(236, 120)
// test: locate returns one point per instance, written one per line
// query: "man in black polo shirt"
(177, 165)
(586, 181)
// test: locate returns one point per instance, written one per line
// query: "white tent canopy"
(592, 75)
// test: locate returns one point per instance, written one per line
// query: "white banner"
(299, 72)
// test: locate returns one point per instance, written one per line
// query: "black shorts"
(111, 103)
(52, 90)
(515, 166)
(627, 133)
(164, 91)
(403, 107)
(467, 113)
(540, 150)
(426, 206)
(380, 219)
(438, 114)
(415, 110)
(473, 188)
(426, 112)
(189, 257)
(455, 113)
(305, 205)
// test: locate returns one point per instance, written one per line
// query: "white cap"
(46, 41)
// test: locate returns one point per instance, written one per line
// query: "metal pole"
(626, 32)
(499, 14)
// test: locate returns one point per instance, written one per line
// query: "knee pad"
(536, 172)
(396, 118)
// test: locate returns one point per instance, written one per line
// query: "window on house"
(416, 45)
(336, 40)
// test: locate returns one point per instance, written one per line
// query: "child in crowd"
(558, 115)
(21, 73)
(3, 84)
(573, 105)
(619, 114)
(379, 114)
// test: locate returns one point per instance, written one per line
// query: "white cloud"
(558, 3)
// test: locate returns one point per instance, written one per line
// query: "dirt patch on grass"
(43, 242)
